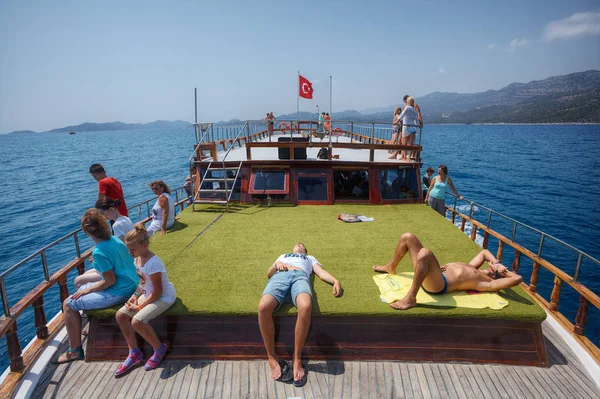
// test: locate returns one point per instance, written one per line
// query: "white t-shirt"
(155, 265)
(122, 226)
(305, 262)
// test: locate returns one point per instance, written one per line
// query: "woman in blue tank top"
(436, 194)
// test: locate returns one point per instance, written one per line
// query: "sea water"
(546, 176)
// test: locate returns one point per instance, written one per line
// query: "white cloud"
(491, 46)
(517, 42)
(442, 71)
(576, 25)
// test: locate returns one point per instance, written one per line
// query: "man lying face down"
(454, 276)
(289, 281)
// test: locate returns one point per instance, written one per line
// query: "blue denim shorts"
(286, 286)
(95, 300)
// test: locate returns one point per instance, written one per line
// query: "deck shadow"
(177, 226)
(555, 357)
(510, 295)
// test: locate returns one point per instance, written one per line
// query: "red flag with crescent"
(306, 90)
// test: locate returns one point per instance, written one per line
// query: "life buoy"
(282, 127)
(294, 127)
(337, 131)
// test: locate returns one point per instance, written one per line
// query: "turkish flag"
(306, 89)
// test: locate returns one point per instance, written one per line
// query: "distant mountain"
(568, 98)
(95, 127)
(107, 126)
(23, 132)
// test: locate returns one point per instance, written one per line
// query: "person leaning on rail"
(454, 276)
(436, 195)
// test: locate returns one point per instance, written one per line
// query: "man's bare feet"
(404, 303)
(385, 269)
(275, 368)
(298, 370)
(392, 157)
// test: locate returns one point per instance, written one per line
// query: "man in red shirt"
(109, 187)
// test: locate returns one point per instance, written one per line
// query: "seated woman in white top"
(121, 225)
(163, 211)
(152, 298)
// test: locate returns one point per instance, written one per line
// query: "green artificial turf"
(223, 270)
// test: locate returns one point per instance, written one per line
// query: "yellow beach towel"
(395, 286)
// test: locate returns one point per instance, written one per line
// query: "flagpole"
(298, 98)
(330, 98)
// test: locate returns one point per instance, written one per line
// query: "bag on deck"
(323, 153)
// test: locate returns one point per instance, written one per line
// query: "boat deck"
(565, 377)
(271, 154)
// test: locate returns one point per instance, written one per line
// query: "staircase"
(219, 185)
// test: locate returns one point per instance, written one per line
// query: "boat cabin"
(301, 163)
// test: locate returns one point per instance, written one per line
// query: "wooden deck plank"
(183, 381)
(422, 380)
(114, 388)
(129, 390)
(337, 371)
(435, 390)
(198, 368)
(468, 380)
(404, 388)
(492, 375)
(220, 380)
(444, 391)
(414, 382)
(209, 384)
(462, 391)
(577, 383)
(515, 386)
(320, 378)
(382, 383)
(253, 384)
(486, 390)
(74, 380)
(565, 377)
(364, 379)
(169, 383)
(354, 385)
(451, 386)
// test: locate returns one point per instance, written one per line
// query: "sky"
(68, 62)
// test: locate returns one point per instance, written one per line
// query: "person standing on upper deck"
(416, 106)
(327, 123)
(109, 187)
(436, 195)
(410, 120)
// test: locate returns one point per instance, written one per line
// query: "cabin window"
(313, 185)
(269, 182)
(351, 184)
(399, 184)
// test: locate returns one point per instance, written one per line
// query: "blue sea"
(547, 176)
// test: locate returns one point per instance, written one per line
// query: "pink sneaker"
(129, 363)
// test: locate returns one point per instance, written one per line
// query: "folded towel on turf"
(353, 218)
(394, 287)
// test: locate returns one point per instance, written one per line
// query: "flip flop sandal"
(122, 370)
(78, 350)
(286, 372)
(155, 359)
(302, 381)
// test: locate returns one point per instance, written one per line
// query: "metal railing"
(42, 252)
(587, 296)
(516, 223)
